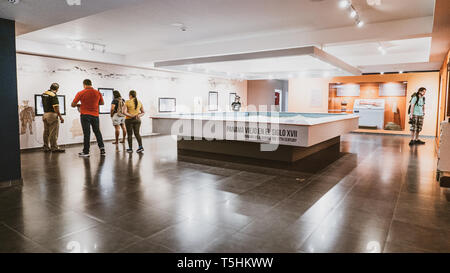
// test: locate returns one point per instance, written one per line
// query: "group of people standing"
(124, 114)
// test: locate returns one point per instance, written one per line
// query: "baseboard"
(11, 183)
(24, 150)
(386, 134)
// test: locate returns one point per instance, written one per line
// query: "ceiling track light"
(353, 13)
(80, 45)
(343, 4)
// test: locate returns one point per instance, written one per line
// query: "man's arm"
(56, 108)
(76, 100)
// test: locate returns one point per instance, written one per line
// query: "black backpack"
(417, 101)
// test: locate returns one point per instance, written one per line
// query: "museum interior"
(316, 157)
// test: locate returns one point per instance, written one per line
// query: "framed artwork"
(108, 97)
(166, 105)
(348, 90)
(213, 101)
(39, 108)
(393, 89)
(232, 97)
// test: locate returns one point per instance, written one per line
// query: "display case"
(443, 168)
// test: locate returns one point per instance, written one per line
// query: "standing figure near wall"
(50, 104)
(26, 117)
(236, 105)
(416, 115)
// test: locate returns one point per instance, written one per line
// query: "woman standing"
(133, 111)
(117, 116)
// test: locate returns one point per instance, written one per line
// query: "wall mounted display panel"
(393, 89)
(213, 101)
(108, 97)
(167, 105)
(39, 108)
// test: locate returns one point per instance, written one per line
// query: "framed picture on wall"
(213, 101)
(39, 108)
(166, 105)
(393, 89)
(108, 97)
(232, 97)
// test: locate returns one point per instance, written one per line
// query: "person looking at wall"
(416, 115)
(133, 111)
(90, 99)
(117, 116)
(50, 104)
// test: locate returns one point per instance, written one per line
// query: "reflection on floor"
(379, 197)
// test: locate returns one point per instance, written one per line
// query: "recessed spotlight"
(360, 23)
(353, 13)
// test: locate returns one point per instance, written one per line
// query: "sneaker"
(420, 142)
(82, 154)
(129, 150)
(102, 151)
(140, 150)
(46, 150)
(412, 142)
(59, 150)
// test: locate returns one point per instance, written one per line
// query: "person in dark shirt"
(50, 104)
(117, 116)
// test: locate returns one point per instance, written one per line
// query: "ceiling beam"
(289, 52)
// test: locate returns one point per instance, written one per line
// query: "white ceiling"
(147, 26)
(398, 51)
(32, 15)
(141, 30)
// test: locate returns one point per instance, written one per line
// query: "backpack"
(119, 109)
(417, 101)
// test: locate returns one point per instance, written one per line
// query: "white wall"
(35, 74)
(308, 95)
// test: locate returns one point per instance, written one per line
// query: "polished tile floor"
(380, 196)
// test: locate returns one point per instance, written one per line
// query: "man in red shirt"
(90, 100)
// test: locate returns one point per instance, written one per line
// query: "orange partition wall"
(429, 80)
(371, 91)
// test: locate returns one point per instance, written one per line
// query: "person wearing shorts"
(117, 116)
(417, 113)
